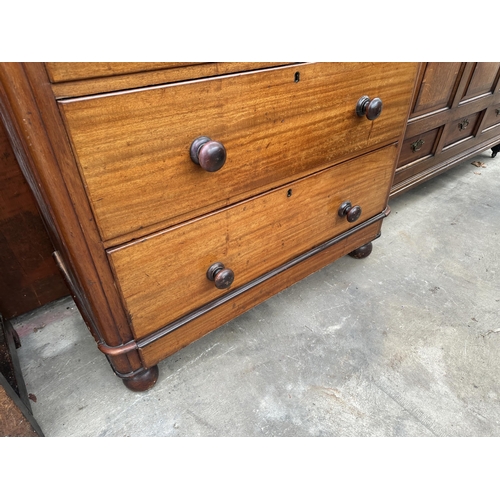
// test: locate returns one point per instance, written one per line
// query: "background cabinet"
(454, 115)
(29, 277)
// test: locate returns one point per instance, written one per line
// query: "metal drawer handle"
(463, 124)
(417, 145)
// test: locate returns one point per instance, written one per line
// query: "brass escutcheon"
(463, 124)
(415, 146)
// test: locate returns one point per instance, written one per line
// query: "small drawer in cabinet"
(171, 273)
(461, 129)
(492, 117)
(145, 167)
(417, 147)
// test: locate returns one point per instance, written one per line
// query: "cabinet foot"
(362, 252)
(143, 380)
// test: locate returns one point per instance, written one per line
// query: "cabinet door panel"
(438, 87)
(483, 79)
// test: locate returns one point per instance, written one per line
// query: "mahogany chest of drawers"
(179, 195)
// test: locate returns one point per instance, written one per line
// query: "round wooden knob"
(220, 275)
(351, 213)
(371, 108)
(209, 155)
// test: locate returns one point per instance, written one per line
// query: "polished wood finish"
(351, 213)
(362, 252)
(454, 116)
(143, 380)
(370, 108)
(139, 177)
(49, 167)
(209, 155)
(221, 276)
(70, 71)
(152, 353)
(29, 275)
(94, 82)
(170, 267)
(138, 226)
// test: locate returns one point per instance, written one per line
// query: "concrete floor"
(403, 343)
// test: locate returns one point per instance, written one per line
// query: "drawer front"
(276, 125)
(461, 129)
(418, 147)
(492, 117)
(163, 277)
(70, 71)
(182, 336)
(73, 71)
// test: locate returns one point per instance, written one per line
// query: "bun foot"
(362, 251)
(143, 380)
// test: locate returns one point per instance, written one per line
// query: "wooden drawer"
(492, 117)
(159, 345)
(461, 129)
(71, 71)
(80, 79)
(163, 277)
(417, 147)
(276, 126)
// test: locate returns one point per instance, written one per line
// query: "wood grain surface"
(163, 277)
(204, 324)
(47, 163)
(133, 148)
(70, 71)
(123, 76)
(29, 276)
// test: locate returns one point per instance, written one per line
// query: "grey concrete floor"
(403, 343)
